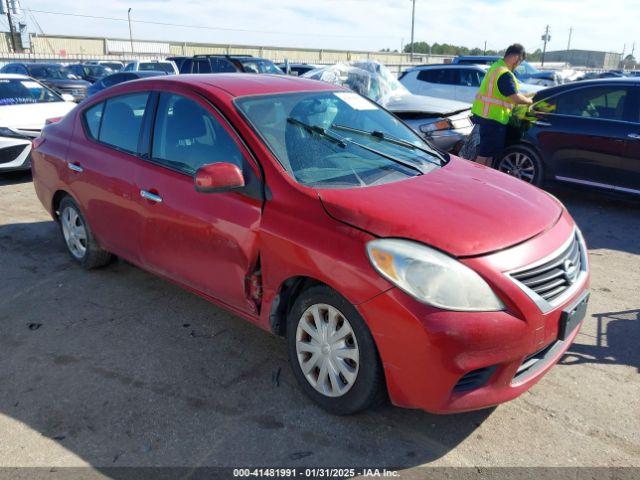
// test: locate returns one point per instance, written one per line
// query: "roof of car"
(547, 92)
(241, 84)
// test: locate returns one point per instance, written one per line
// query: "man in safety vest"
(494, 101)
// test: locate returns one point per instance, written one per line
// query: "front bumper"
(428, 353)
(15, 154)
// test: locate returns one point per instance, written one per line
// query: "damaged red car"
(392, 269)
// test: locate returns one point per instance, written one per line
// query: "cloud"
(356, 24)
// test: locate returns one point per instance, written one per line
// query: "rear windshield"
(21, 91)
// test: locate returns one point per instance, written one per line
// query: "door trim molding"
(596, 184)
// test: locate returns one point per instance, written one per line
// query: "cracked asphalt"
(116, 367)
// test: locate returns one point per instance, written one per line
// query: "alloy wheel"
(519, 165)
(74, 232)
(327, 350)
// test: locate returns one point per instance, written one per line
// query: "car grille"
(554, 277)
(9, 154)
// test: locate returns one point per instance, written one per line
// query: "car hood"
(463, 208)
(31, 116)
(423, 104)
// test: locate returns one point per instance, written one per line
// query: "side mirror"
(68, 98)
(218, 177)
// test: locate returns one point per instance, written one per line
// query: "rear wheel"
(521, 162)
(78, 237)
(332, 353)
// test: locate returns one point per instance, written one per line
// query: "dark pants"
(492, 137)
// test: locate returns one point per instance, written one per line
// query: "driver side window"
(186, 136)
(596, 102)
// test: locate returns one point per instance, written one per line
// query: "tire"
(523, 162)
(354, 379)
(77, 236)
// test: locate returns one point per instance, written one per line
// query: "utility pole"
(484, 52)
(569, 42)
(130, 34)
(12, 32)
(413, 23)
(546, 37)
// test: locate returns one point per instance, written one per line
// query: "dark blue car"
(120, 77)
(585, 133)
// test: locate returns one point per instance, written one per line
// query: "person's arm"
(508, 88)
(520, 99)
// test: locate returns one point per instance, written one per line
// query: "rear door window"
(447, 76)
(122, 120)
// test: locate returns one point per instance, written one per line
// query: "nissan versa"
(390, 268)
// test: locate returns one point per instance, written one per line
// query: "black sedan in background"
(53, 75)
(90, 73)
(121, 77)
(585, 133)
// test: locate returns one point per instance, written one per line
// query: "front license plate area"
(572, 316)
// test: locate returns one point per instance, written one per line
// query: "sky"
(352, 24)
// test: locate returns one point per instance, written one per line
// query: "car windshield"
(156, 66)
(16, 91)
(337, 139)
(50, 71)
(261, 66)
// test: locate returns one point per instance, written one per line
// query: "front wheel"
(332, 353)
(521, 162)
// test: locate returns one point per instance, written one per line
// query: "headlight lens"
(431, 276)
(443, 124)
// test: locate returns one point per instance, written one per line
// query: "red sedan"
(389, 267)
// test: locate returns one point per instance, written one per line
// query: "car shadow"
(617, 340)
(14, 178)
(121, 368)
(607, 220)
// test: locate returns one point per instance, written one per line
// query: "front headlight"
(443, 124)
(431, 276)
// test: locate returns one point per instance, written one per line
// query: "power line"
(202, 27)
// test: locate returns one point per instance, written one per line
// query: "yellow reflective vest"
(489, 102)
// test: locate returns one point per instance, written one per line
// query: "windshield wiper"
(318, 130)
(341, 141)
(387, 138)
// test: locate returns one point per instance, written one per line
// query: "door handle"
(151, 196)
(75, 167)
(635, 136)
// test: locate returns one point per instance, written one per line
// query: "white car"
(25, 105)
(453, 82)
(151, 65)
